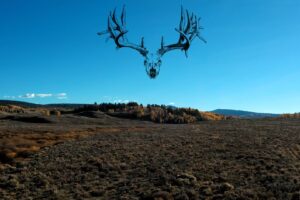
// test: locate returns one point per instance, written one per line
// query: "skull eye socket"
(145, 62)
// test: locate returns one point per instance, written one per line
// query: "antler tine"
(142, 42)
(182, 20)
(110, 29)
(123, 17)
(199, 19)
(102, 33)
(201, 38)
(192, 18)
(182, 25)
(118, 27)
(186, 53)
(198, 30)
(195, 20)
(188, 26)
(195, 23)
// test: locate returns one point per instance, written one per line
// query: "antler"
(189, 29)
(117, 32)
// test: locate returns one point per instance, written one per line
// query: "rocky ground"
(126, 159)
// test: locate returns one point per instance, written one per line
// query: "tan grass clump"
(12, 109)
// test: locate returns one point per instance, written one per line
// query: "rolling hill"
(243, 114)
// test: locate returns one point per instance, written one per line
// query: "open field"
(102, 157)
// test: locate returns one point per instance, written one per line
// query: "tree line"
(152, 112)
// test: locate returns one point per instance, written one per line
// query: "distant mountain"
(19, 103)
(243, 114)
(172, 107)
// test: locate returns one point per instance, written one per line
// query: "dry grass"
(101, 157)
(23, 145)
(22, 135)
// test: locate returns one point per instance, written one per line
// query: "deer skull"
(189, 29)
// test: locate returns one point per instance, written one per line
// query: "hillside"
(131, 110)
(243, 114)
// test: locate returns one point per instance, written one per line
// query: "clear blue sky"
(251, 61)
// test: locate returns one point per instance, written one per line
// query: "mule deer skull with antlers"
(189, 29)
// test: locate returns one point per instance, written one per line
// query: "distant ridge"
(34, 105)
(243, 114)
(19, 103)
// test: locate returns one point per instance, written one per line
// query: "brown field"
(102, 157)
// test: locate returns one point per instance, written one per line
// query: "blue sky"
(49, 52)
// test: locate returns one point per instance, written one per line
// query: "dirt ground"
(101, 157)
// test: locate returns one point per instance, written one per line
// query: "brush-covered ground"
(101, 157)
